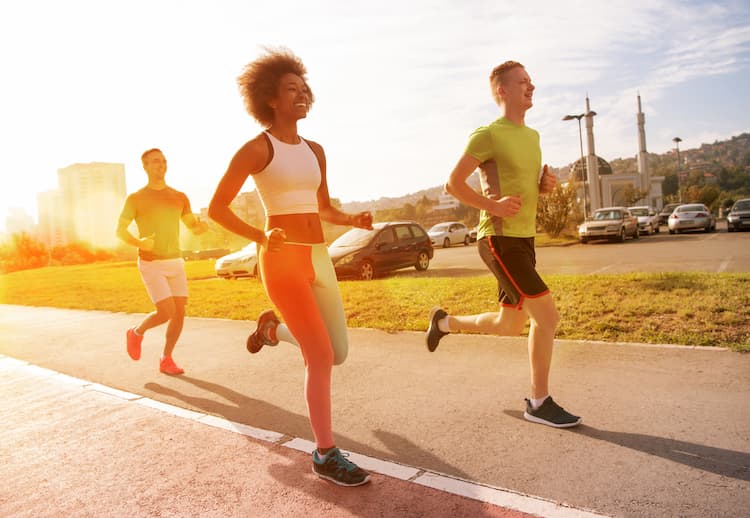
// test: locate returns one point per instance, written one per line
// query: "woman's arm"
(251, 158)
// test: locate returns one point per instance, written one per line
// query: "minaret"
(592, 164)
(645, 180)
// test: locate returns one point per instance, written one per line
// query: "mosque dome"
(604, 168)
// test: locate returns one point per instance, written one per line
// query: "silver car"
(449, 233)
(691, 216)
(739, 217)
(243, 263)
(648, 219)
(614, 223)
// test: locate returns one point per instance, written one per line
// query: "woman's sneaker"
(335, 466)
(551, 414)
(267, 322)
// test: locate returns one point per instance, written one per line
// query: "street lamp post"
(584, 171)
(677, 141)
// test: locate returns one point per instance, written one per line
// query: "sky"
(399, 85)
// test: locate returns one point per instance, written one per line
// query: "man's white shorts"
(164, 278)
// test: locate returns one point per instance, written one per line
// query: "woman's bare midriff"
(299, 228)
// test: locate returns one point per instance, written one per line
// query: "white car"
(243, 263)
(613, 223)
(449, 233)
(648, 219)
(691, 216)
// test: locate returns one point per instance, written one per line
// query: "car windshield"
(742, 205)
(441, 227)
(354, 237)
(691, 208)
(607, 214)
(639, 212)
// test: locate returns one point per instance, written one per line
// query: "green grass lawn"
(681, 308)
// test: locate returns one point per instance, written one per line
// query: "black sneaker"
(551, 414)
(258, 338)
(434, 334)
(335, 466)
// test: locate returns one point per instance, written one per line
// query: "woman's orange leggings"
(301, 282)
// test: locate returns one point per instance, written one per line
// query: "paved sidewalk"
(75, 448)
(666, 429)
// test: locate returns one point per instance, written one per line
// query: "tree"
(424, 207)
(23, 253)
(670, 185)
(554, 209)
(630, 195)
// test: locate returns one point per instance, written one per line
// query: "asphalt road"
(666, 430)
(691, 252)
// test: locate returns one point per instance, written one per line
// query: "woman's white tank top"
(289, 183)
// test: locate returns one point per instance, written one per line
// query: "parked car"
(473, 234)
(364, 254)
(739, 215)
(211, 253)
(449, 233)
(666, 211)
(691, 216)
(613, 223)
(648, 219)
(243, 263)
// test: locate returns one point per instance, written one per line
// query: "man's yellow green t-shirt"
(511, 160)
(158, 212)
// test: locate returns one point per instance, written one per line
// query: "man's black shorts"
(513, 262)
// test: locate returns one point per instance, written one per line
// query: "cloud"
(399, 85)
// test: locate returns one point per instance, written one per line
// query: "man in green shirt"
(157, 210)
(509, 158)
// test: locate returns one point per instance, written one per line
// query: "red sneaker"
(134, 343)
(168, 366)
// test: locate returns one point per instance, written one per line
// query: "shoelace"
(342, 461)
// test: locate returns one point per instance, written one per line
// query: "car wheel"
(423, 261)
(366, 271)
(467, 240)
(658, 229)
(622, 236)
(446, 243)
(730, 228)
(671, 231)
(584, 240)
(636, 234)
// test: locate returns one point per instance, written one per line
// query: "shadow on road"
(727, 463)
(388, 498)
(257, 413)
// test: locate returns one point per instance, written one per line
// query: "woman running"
(297, 273)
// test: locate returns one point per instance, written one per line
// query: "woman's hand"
(275, 238)
(362, 220)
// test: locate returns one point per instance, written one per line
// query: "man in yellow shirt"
(509, 157)
(157, 210)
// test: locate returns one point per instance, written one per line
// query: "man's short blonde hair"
(498, 75)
